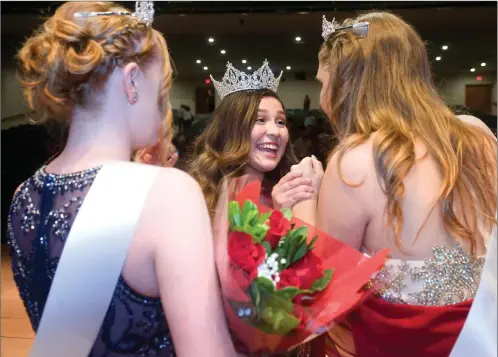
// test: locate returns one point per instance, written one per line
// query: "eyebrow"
(266, 111)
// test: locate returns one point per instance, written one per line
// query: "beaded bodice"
(41, 215)
(449, 277)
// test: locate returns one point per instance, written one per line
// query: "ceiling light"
(483, 64)
(472, 69)
(438, 58)
(205, 68)
(444, 48)
(211, 39)
(288, 68)
(223, 52)
(244, 61)
(198, 61)
(298, 39)
(249, 68)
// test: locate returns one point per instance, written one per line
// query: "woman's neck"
(92, 141)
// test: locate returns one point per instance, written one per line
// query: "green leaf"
(234, 215)
(263, 218)
(265, 285)
(254, 293)
(288, 293)
(322, 283)
(300, 232)
(311, 244)
(287, 212)
(277, 313)
(258, 232)
(300, 252)
(267, 247)
(249, 213)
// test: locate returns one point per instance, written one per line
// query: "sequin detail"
(451, 276)
(40, 218)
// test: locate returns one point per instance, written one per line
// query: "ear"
(131, 73)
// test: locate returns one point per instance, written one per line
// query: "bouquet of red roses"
(283, 281)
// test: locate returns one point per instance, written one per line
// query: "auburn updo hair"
(68, 60)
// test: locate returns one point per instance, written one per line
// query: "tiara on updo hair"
(144, 12)
(328, 28)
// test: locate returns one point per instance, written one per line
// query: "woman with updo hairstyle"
(107, 73)
(409, 175)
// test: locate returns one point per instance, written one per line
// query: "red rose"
(307, 270)
(279, 226)
(244, 253)
(288, 278)
(242, 277)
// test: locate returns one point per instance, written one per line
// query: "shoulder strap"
(92, 260)
(478, 336)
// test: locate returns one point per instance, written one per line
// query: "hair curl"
(222, 150)
(383, 84)
(67, 61)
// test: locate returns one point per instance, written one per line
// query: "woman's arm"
(186, 271)
(306, 209)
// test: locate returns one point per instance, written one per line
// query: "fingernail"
(314, 157)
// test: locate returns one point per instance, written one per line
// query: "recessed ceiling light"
(223, 52)
(288, 68)
(298, 38)
(472, 69)
(198, 61)
(211, 39)
(205, 68)
(249, 68)
(438, 58)
(244, 61)
(483, 64)
(444, 48)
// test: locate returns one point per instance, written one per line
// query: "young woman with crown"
(103, 252)
(247, 136)
(410, 176)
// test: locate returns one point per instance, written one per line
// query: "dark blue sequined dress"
(40, 217)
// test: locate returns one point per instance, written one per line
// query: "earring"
(135, 97)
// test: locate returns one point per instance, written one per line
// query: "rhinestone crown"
(236, 81)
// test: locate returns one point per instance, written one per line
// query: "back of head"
(68, 60)
(382, 84)
(223, 147)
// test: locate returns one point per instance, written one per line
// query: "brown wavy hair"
(222, 150)
(383, 84)
(67, 61)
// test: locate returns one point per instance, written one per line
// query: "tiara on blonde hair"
(144, 12)
(329, 27)
(236, 81)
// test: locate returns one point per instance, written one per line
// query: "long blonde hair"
(383, 84)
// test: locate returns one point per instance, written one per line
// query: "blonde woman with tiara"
(103, 252)
(408, 175)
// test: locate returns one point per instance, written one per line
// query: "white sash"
(479, 334)
(92, 260)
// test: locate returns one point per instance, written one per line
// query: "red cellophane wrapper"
(348, 287)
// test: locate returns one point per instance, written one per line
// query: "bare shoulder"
(356, 165)
(472, 120)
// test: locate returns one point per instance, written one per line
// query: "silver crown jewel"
(236, 81)
(328, 28)
(144, 11)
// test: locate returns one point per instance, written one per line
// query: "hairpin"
(328, 28)
(144, 11)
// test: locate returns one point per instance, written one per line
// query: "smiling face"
(269, 136)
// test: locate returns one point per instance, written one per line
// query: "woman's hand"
(291, 189)
(152, 156)
(312, 169)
